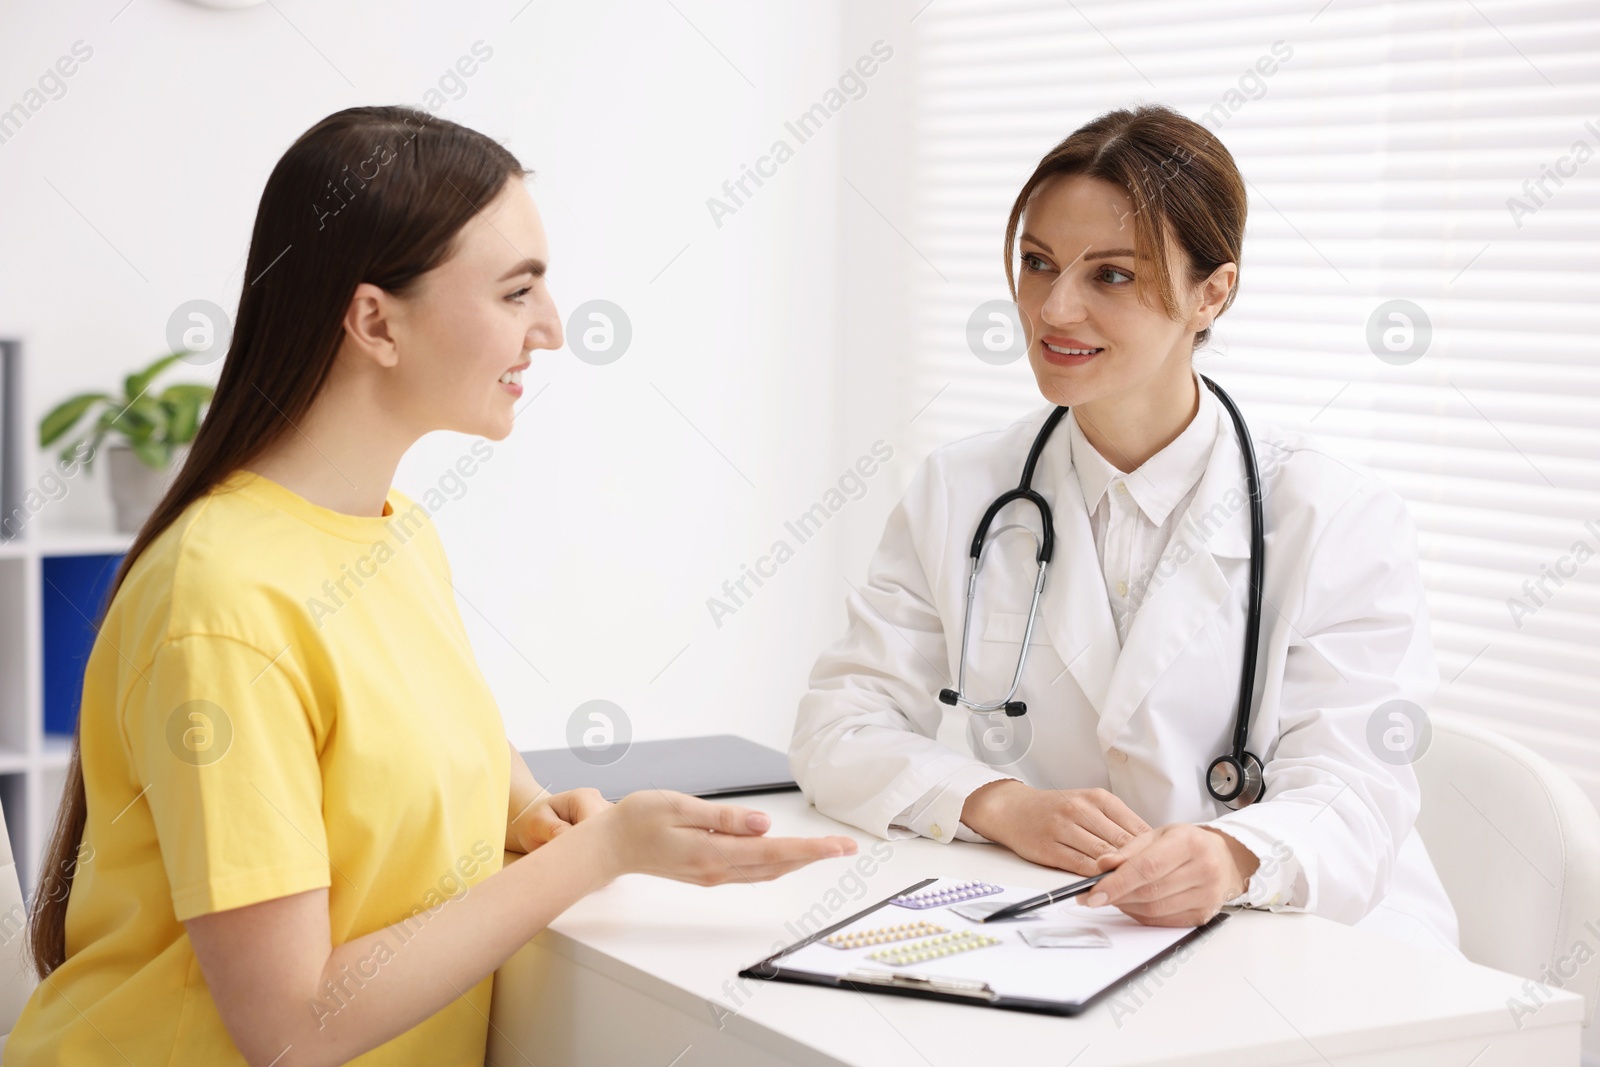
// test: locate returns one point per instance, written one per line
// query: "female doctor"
(1123, 755)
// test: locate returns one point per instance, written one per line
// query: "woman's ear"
(1213, 293)
(369, 324)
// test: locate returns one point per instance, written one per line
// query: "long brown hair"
(369, 194)
(1178, 176)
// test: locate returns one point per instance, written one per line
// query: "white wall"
(585, 550)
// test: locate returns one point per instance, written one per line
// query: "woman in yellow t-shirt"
(288, 771)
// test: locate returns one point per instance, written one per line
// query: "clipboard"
(944, 981)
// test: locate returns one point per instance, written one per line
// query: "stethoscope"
(1236, 778)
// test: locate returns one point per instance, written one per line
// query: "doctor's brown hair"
(1180, 179)
(368, 194)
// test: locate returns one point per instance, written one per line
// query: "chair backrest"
(17, 978)
(1516, 843)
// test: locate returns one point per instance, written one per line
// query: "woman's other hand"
(552, 814)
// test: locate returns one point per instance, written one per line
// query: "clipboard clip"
(961, 987)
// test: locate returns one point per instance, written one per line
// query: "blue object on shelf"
(74, 589)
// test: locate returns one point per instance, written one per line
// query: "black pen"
(1044, 898)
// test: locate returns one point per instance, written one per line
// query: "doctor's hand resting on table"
(1175, 876)
(1171, 649)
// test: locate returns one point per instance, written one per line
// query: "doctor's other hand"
(554, 813)
(1179, 875)
(1064, 828)
(683, 837)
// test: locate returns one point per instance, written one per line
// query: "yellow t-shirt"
(282, 697)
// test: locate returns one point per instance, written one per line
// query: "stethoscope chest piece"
(1235, 783)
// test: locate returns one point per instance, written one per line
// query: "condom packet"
(979, 910)
(1058, 936)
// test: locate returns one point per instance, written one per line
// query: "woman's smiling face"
(1075, 289)
(477, 316)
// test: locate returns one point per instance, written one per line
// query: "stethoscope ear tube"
(1024, 491)
(1047, 542)
(1012, 707)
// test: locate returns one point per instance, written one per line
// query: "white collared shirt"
(1134, 515)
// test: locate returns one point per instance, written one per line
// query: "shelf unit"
(33, 763)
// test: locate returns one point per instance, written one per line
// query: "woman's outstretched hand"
(679, 836)
(1176, 875)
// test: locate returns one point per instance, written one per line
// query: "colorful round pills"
(933, 948)
(954, 894)
(882, 935)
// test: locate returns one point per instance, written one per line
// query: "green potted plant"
(150, 430)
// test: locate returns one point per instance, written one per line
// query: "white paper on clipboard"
(1011, 968)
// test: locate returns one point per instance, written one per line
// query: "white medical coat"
(1344, 632)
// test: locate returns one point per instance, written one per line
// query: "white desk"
(646, 972)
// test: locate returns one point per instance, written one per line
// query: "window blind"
(1441, 154)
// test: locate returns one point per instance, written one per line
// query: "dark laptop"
(719, 765)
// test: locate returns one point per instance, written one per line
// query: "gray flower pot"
(135, 488)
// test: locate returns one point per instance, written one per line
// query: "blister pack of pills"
(933, 948)
(939, 896)
(882, 935)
